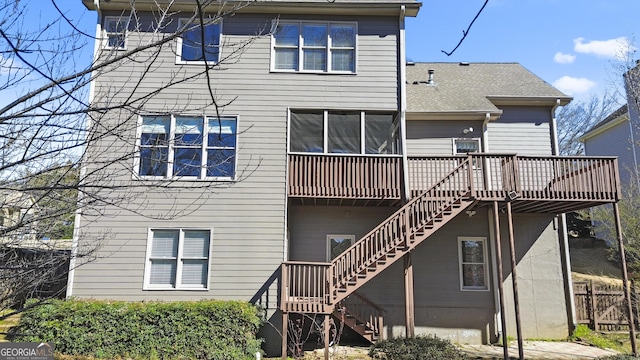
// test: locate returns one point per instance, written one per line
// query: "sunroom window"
(342, 132)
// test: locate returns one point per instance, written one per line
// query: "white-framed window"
(472, 256)
(193, 48)
(465, 146)
(312, 46)
(115, 32)
(177, 259)
(189, 147)
(337, 244)
(343, 132)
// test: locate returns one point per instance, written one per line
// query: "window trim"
(147, 264)
(351, 238)
(455, 148)
(300, 47)
(170, 153)
(485, 263)
(105, 33)
(363, 135)
(191, 22)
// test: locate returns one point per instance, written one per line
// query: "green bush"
(418, 348)
(149, 330)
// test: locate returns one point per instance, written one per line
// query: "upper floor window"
(314, 47)
(343, 132)
(465, 146)
(115, 29)
(189, 147)
(199, 43)
(474, 270)
(177, 259)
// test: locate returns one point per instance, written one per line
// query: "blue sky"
(571, 44)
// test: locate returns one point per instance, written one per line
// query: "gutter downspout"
(402, 96)
(492, 236)
(564, 238)
(83, 168)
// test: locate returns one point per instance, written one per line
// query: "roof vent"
(431, 72)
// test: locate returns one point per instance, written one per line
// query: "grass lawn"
(6, 324)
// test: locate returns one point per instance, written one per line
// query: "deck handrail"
(500, 176)
(345, 176)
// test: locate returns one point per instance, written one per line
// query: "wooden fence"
(603, 307)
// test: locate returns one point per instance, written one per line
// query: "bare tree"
(69, 146)
(575, 119)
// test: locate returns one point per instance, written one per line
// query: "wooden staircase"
(361, 315)
(329, 288)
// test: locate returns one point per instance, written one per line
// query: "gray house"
(391, 197)
(619, 133)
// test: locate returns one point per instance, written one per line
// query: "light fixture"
(470, 213)
(468, 130)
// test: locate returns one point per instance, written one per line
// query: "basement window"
(472, 256)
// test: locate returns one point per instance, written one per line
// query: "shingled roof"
(475, 87)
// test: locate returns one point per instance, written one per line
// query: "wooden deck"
(550, 184)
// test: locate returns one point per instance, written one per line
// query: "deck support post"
(327, 335)
(408, 296)
(514, 280)
(625, 279)
(285, 329)
(503, 316)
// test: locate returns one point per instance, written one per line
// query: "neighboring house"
(385, 192)
(619, 133)
(616, 135)
(16, 211)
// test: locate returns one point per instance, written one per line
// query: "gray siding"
(310, 225)
(522, 130)
(247, 216)
(615, 141)
(436, 137)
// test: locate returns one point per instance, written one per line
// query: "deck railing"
(305, 287)
(345, 176)
(496, 176)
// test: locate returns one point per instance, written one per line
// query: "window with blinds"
(178, 259)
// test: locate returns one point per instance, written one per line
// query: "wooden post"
(625, 279)
(285, 329)
(514, 276)
(408, 296)
(591, 293)
(503, 316)
(327, 336)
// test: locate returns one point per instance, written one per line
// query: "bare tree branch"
(466, 32)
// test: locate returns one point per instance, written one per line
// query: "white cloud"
(561, 58)
(571, 85)
(612, 48)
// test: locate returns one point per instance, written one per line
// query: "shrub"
(418, 348)
(160, 330)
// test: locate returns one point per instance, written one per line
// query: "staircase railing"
(364, 311)
(398, 229)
